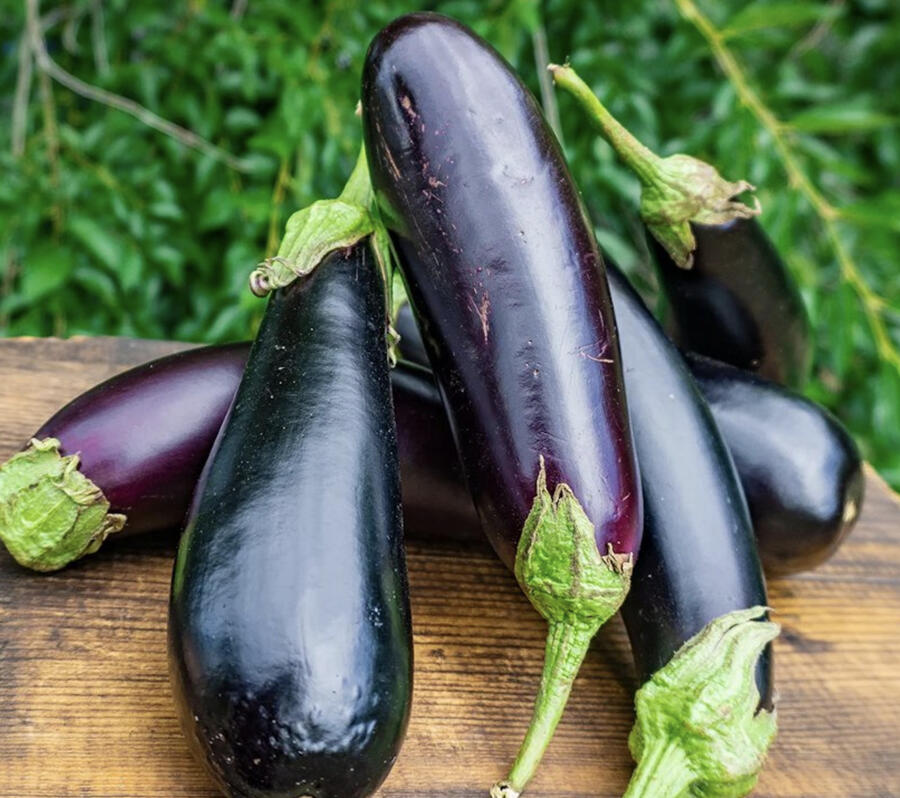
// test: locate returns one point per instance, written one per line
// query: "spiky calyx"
(576, 589)
(51, 513)
(698, 725)
(327, 226)
(676, 191)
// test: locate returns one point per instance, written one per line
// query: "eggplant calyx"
(676, 191)
(683, 190)
(311, 233)
(698, 724)
(576, 589)
(323, 227)
(51, 513)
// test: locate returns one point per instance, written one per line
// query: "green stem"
(576, 589)
(567, 646)
(663, 772)
(323, 227)
(639, 158)
(358, 189)
(676, 191)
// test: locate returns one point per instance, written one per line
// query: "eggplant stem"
(567, 646)
(576, 589)
(676, 191)
(663, 770)
(697, 719)
(638, 157)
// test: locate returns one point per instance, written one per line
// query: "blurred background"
(151, 152)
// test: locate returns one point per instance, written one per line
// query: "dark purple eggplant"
(730, 293)
(800, 469)
(503, 272)
(289, 630)
(132, 447)
(737, 303)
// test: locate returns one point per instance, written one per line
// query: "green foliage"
(110, 227)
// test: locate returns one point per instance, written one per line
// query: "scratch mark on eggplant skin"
(406, 104)
(483, 309)
(392, 164)
(597, 359)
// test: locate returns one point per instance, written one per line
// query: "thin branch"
(548, 96)
(828, 213)
(98, 38)
(23, 80)
(23, 92)
(820, 29)
(238, 7)
(187, 137)
(51, 133)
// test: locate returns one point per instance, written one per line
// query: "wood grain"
(85, 708)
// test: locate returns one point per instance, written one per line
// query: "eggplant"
(132, 447)
(730, 293)
(800, 469)
(289, 628)
(504, 275)
(695, 612)
(737, 303)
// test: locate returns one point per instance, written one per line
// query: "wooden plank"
(85, 708)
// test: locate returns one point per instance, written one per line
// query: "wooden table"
(85, 708)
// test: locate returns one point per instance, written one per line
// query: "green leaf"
(44, 269)
(219, 207)
(171, 260)
(103, 244)
(840, 119)
(758, 16)
(882, 211)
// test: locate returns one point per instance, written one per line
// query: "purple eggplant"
(738, 303)
(503, 272)
(800, 469)
(130, 448)
(290, 646)
(730, 293)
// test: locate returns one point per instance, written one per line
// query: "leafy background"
(108, 226)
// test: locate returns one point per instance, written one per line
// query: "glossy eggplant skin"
(504, 274)
(738, 303)
(801, 471)
(144, 435)
(436, 503)
(698, 558)
(289, 629)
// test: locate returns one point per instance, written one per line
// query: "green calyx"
(576, 589)
(327, 226)
(50, 513)
(676, 191)
(323, 227)
(698, 729)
